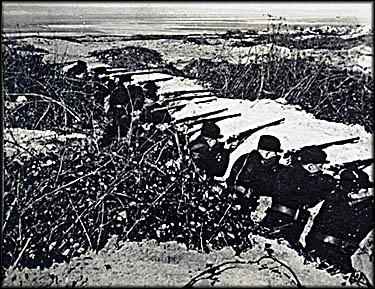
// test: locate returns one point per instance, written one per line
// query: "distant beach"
(115, 24)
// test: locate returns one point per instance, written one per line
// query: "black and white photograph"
(187, 144)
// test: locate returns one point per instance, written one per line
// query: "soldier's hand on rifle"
(162, 126)
(232, 146)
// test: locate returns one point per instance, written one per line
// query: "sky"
(349, 8)
(360, 9)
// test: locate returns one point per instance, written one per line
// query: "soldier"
(152, 102)
(208, 153)
(120, 109)
(137, 95)
(343, 221)
(297, 188)
(80, 68)
(252, 174)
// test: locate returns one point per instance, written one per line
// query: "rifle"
(155, 80)
(357, 164)
(179, 106)
(242, 136)
(294, 154)
(191, 97)
(214, 119)
(206, 100)
(339, 142)
(198, 117)
(181, 92)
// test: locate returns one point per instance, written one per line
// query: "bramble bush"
(329, 92)
(54, 101)
(73, 199)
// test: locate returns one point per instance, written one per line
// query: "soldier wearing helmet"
(343, 221)
(251, 176)
(208, 152)
(297, 188)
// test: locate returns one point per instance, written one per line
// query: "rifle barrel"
(169, 107)
(180, 92)
(125, 71)
(206, 100)
(247, 133)
(357, 163)
(190, 118)
(322, 146)
(340, 142)
(156, 80)
(214, 119)
(190, 97)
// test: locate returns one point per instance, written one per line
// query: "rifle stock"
(242, 136)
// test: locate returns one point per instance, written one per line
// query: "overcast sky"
(360, 9)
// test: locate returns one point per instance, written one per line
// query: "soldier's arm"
(236, 169)
(317, 189)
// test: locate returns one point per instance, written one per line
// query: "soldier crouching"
(344, 220)
(298, 187)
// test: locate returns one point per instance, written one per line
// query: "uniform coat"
(256, 174)
(295, 190)
(211, 160)
(348, 221)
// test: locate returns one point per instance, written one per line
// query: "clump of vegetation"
(329, 42)
(72, 199)
(131, 57)
(330, 92)
(54, 101)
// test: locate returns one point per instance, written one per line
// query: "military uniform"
(252, 175)
(213, 161)
(137, 96)
(342, 222)
(149, 114)
(296, 189)
(103, 87)
(120, 110)
(79, 68)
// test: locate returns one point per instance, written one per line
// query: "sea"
(67, 20)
